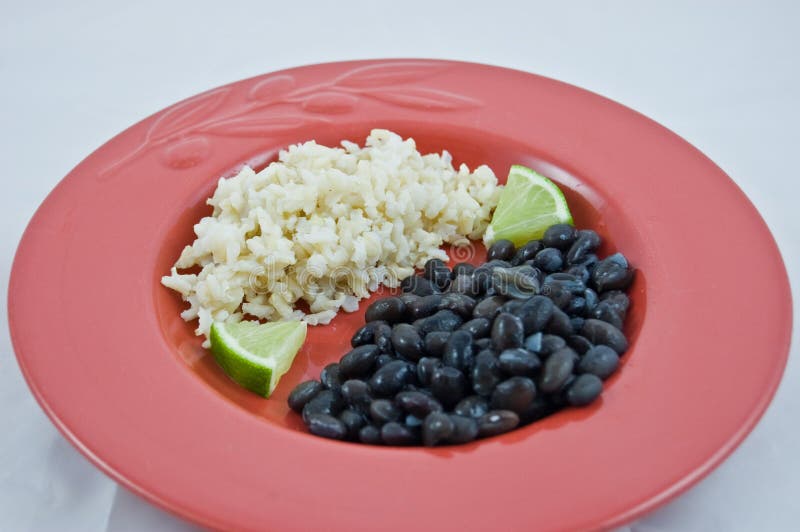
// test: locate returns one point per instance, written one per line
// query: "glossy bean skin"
(370, 434)
(462, 268)
(356, 393)
(485, 373)
(526, 252)
(533, 342)
(448, 385)
(353, 421)
(330, 377)
(388, 309)
(383, 411)
(560, 236)
(425, 369)
(488, 308)
(610, 274)
(423, 307)
(383, 337)
(436, 428)
(514, 394)
(579, 344)
(443, 320)
(518, 282)
(592, 299)
(461, 304)
(607, 313)
(325, 402)
(435, 342)
(473, 406)
(366, 334)
(465, 429)
(303, 393)
(519, 361)
(419, 286)
(396, 434)
(618, 300)
(501, 250)
(559, 323)
(535, 313)
(437, 273)
(559, 295)
(497, 422)
(483, 343)
(600, 332)
(548, 260)
(358, 362)
(391, 378)
(407, 342)
(477, 327)
(584, 390)
(507, 332)
(550, 344)
(418, 404)
(458, 351)
(556, 370)
(586, 243)
(326, 426)
(600, 360)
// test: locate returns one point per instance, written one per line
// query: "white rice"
(327, 226)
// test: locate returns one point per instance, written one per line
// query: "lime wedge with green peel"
(257, 355)
(529, 204)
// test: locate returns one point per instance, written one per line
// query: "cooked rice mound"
(327, 226)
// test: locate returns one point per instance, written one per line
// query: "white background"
(724, 75)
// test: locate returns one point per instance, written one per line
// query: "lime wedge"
(256, 355)
(529, 204)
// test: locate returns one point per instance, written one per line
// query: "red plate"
(107, 356)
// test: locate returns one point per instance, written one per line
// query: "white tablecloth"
(723, 75)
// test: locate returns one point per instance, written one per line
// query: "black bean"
(576, 322)
(325, 402)
(526, 252)
(395, 434)
(413, 421)
(559, 295)
(418, 285)
(556, 370)
(592, 299)
(535, 313)
(462, 268)
(559, 323)
(497, 422)
(473, 406)
(425, 369)
(303, 393)
(458, 351)
(353, 421)
(383, 410)
(519, 282)
(461, 304)
(610, 274)
(382, 360)
(488, 307)
(576, 307)
(617, 299)
(589, 262)
(550, 344)
(511, 306)
(586, 243)
(501, 250)
(567, 281)
(548, 260)
(356, 393)
(485, 373)
(606, 312)
(436, 428)
(365, 335)
(579, 272)
(482, 280)
(448, 385)
(468, 285)
(370, 434)
(483, 343)
(584, 390)
(435, 342)
(507, 332)
(540, 407)
(424, 306)
(465, 429)
(383, 337)
(408, 298)
(579, 344)
(519, 361)
(600, 360)
(330, 377)
(600, 332)
(478, 327)
(559, 236)
(358, 362)
(444, 320)
(515, 394)
(388, 309)
(390, 378)
(534, 342)
(418, 404)
(432, 267)
(407, 341)
(326, 426)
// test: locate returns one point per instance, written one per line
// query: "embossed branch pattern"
(276, 105)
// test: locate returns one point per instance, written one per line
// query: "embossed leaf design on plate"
(388, 75)
(272, 87)
(330, 103)
(425, 99)
(257, 126)
(186, 114)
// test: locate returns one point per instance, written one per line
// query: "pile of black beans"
(474, 352)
